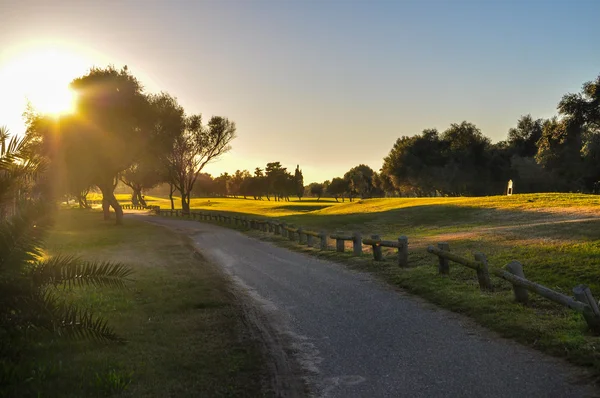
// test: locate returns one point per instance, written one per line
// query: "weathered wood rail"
(137, 207)
(583, 301)
(303, 236)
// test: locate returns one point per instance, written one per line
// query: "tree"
(220, 184)
(466, 169)
(568, 145)
(298, 182)
(415, 163)
(194, 148)
(103, 137)
(167, 121)
(338, 188)
(383, 184)
(236, 182)
(523, 138)
(360, 181)
(316, 189)
(559, 151)
(275, 176)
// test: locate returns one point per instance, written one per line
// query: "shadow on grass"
(302, 208)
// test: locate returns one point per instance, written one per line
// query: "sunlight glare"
(41, 75)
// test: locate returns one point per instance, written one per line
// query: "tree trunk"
(171, 190)
(185, 203)
(108, 201)
(117, 207)
(136, 196)
(82, 200)
(141, 198)
(105, 207)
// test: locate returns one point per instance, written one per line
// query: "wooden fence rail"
(302, 236)
(583, 302)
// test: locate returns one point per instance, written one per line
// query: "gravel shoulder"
(350, 335)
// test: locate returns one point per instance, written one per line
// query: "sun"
(40, 75)
(53, 99)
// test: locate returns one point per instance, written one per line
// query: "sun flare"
(53, 100)
(40, 75)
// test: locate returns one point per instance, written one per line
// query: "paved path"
(356, 337)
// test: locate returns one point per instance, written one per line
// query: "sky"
(324, 84)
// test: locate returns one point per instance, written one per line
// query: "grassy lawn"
(184, 331)
(555, 236)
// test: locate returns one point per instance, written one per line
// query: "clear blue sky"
(330, 84)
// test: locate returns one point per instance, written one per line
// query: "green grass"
(184, 330)
(555, 236)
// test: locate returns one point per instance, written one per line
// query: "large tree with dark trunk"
(103, 137)
(111, 127)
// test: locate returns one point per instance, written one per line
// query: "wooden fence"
(303, 236)
(584, 302)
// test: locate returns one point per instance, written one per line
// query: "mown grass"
(184, 331)
(555, 236)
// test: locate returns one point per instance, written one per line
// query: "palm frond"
(72, 271)
(21, 236)
(43, 311)
(76, 323)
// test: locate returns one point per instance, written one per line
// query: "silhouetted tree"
(338, 188)
(194, 148)
(316, 189)
(523, 138)
(298, 182)
(103, 137)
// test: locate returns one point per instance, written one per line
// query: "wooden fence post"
(309, 240)
(176, 213)
(377, 255)
(292, 234)
(444, 265)
(323, 236)
(582, 293)
(339, 243)
(521, 294)
(357, 243)
(483, 275)
(270, 225)
(277, 231)
(300, 240)
(283, 230)
(403, 251)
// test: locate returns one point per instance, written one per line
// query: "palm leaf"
(72, 271)
(76, 323)
(21, 237)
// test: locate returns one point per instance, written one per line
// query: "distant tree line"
(274, 182)
(559, 154)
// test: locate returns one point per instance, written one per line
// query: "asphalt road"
(355, 337)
